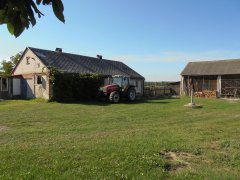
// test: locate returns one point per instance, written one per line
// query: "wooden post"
(219, 85)
(192, 96)
(181, 86)
(203, 85)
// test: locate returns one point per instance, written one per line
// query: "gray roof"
(72, 63)
(220, 67)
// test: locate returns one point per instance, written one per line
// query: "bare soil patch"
(214, 145)
(178, 160)
(3, 128)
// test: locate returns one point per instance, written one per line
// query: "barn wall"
(233, 77)
(225, 85)
(198, 83)
(184, 87)
(230, 86)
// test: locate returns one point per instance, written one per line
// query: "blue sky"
(155, 37)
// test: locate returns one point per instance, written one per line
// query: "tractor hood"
(110, 88)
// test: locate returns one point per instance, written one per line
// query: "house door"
(16, 86)
(29, 89)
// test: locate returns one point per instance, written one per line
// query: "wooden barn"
(221, 78)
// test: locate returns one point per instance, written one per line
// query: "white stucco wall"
(139, 86)
(34, 66)
(29, 68)
(41, 90)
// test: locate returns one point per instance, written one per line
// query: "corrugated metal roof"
(72, 63)
(220, 67)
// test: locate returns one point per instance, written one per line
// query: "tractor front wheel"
(114, 97)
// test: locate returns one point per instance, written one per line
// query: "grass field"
(155, 139)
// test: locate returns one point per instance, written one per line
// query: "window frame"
(136, 83)
(27, 60)
(41, 78)
(4, 90)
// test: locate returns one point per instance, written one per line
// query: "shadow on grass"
(143, 100)
(107, 103)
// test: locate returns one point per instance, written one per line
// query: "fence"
(157, 91)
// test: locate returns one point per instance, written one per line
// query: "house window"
(4, 84)
(39, 79)
(27, 60)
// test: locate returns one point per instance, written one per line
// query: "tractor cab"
(122, 81)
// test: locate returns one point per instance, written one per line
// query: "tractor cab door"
(125, 82)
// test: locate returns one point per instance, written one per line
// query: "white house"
(31, 74)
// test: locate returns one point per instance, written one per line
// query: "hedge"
(75, 87)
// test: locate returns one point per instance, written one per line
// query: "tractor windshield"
(117, 80)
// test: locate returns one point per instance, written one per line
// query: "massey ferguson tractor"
(119, 89)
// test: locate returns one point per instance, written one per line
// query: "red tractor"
(120, 88)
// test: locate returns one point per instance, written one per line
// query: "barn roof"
(220, 67)
(73, 63)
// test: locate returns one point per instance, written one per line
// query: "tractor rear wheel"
(131, 94)
(114, 97)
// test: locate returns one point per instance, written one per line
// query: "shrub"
(74, 87)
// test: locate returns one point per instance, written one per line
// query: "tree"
(19, 14)
(8, 66)
(15, 59)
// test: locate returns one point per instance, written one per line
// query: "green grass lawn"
(153, 139)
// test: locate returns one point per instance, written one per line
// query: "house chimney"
(99, 56)
(59, 50)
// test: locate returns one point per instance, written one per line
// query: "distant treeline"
(161, 83)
